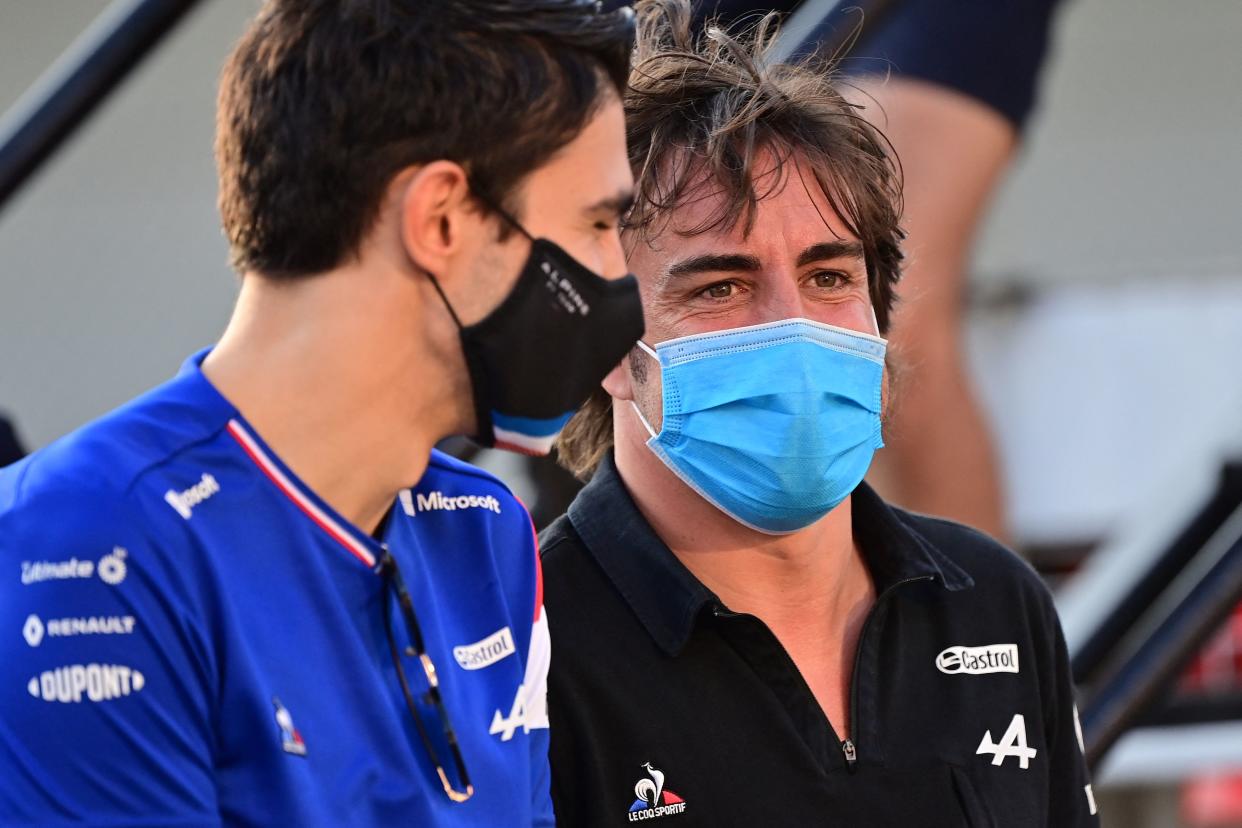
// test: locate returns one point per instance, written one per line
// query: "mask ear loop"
(504, 215)
(435, 283)
(498, 210)
(643, 420)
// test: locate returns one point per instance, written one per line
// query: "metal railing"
(72, 87)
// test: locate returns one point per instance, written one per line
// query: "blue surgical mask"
(773, 424)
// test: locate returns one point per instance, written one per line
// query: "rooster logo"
(649, 790)
(653, 797)
(291, 739)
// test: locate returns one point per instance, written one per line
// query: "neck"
(804, 580)
(332, 372)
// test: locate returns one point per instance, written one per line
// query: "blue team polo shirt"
(190, 636)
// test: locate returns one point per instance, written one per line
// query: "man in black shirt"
(10, 448)
(744, 633)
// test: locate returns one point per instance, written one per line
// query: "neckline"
(357, 543)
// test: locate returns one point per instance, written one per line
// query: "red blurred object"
(1213, 801)
(1218, 667)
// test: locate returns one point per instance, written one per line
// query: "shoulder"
(88, 555)
(570, 571)
(462, 507)
(78, 498)
(996, 572)
(559, 540)
(107, 456)
(978, 553)
(464, 494)
(444, 468)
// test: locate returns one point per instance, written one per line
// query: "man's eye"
(829, 278)
(721, 290)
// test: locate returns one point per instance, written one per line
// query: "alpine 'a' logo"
(1013, 743)
(976, 661)
(653, 800)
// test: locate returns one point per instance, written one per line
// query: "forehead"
(791, 211)
(591, 166)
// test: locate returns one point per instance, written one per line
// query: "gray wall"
(112, 265)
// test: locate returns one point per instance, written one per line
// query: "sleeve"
(538, 662)
(992, 51)
(1071, 800)
(104, 705)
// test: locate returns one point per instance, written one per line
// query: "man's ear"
(619, 384)
(437, 214)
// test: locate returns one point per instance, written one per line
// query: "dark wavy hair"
(322, 102)
(706, 106)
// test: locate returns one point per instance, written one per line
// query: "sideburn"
(638, 365)
(895, 370)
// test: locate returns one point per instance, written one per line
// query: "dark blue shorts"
(991, 50)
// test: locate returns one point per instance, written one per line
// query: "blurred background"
(1102, 335)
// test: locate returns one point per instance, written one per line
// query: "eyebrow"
(713, 263)
(741, 263)
(830, 250)
(619, 204)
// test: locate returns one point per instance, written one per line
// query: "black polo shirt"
(665, 705)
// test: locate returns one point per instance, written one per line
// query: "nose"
(783, 298)
(612, 257)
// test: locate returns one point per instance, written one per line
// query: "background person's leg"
(939, 457)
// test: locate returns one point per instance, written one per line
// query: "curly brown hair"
(706, 106)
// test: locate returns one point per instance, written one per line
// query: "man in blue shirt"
(256, 595)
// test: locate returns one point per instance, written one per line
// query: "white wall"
(1133, 168)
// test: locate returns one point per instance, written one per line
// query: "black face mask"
(546, 347)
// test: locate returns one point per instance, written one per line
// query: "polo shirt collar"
(667, 597)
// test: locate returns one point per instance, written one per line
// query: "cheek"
(476, 277)
(494, 273)
(852, 312)
(592, 251)
(645, 375)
